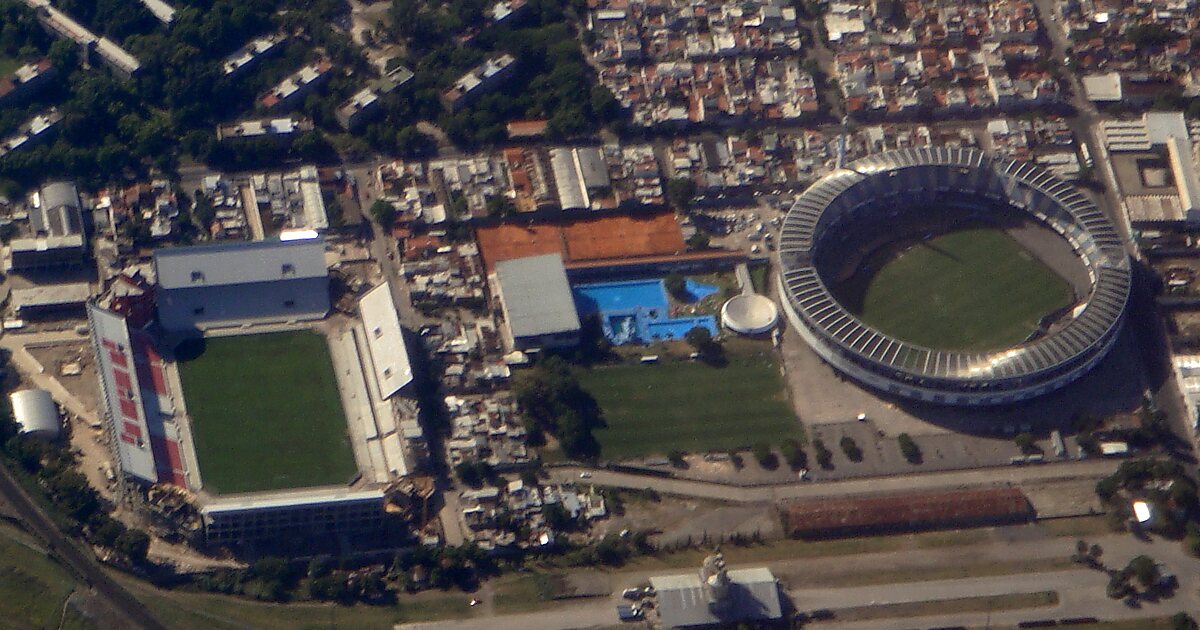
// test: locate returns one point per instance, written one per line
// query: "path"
(1013, 475)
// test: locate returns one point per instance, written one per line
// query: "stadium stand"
(869, 190)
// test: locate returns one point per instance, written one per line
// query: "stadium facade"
(876, 191)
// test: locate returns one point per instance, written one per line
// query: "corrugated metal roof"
(239, 263)
(536, 296)
(385, 340)
(683, 601)
(51, 295)
(35, 412)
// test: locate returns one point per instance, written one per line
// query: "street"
(1011, 475)
(1081, 591)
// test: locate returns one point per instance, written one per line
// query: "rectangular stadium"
(273, 415)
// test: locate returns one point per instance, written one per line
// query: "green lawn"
(974, 289)
(691, 406)
(33, 587)
(265, 413)
(8, 65)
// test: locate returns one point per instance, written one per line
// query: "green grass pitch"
(266, 414)
(970, 290)
(691, 406)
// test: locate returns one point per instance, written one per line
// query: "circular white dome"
(749, 314)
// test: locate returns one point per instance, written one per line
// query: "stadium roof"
(683, 601)
(385, 340)
(239, 263)
(536, 296)
(288, 499)
(931, 170)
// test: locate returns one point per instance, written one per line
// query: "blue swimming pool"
(606, 297)
(638, 311)
(698, 290)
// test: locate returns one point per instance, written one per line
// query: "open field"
(33, 588)
(181, 610)
(691, 406)
(266, 413)
(975, 289)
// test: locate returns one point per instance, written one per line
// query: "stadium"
(950, 276)
(275, 417)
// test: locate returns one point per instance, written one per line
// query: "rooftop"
(239, 263)
(536, 296)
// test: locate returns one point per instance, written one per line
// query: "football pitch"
(970, 290)
(265, 413)
(691, 406)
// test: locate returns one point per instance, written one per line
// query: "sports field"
(974, 289)
(265, 413)
(691, 406)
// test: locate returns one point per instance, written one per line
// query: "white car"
(585, 475)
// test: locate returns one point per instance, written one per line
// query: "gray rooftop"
(239, 263)
(684, 602)
(536, 295)
(59, 213)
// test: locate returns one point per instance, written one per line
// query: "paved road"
(85, 568)
(1012, 475)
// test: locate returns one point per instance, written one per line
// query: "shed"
(36, 413)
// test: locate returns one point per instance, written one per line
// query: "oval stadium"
(952, 276)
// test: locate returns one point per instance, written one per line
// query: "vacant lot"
(691, 406)
(973, 289)
(265, 412)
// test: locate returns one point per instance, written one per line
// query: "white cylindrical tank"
(749, 314)
(36, 413)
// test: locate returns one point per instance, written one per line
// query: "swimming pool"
(638, 311)
(606, 297)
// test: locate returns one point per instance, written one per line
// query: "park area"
(691, 405)
(265, 412)
(970, 290)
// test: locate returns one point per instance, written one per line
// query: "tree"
(1026, 443)
(134, 543)
(500, 206)
(851, 449)
(909, 448)
(1183, 621)
(698, 241)
(680, 192)
(824, 455)
(762, 453)
(793, 453)
(383, 213)
(676, 285)
(699, 339)
(676, 458)
(553, 401)
(1144, 569)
